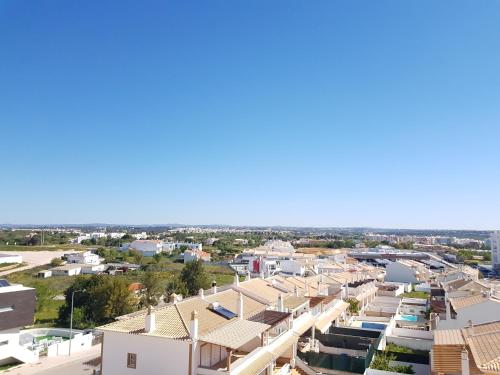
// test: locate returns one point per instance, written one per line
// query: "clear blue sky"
(323, 113)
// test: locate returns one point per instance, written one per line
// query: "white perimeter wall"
(155, 355)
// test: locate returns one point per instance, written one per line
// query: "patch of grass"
(43, 248)
(48, 316)
(391, 347)
(8, 366)
(423, 295)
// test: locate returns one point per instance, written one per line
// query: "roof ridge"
(182, 319)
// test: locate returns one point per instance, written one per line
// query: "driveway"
(34, 258)
(82, 363)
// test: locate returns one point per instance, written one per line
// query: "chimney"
(464, 360)
(240, 306)
(236, 280)
(248, 275)
(281, 306)
(150, 325)
(214, 287)
(201, 293)
(471, 327)
(448, 309)
(173, 298)
(296, 291)
(194, 325)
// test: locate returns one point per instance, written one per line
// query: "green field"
(423, 295)
(43, 248)
(58, 284)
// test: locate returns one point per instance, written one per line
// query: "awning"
(326, 319)
(235, 334)
(278, 347)
(302, 324)
(257, 365)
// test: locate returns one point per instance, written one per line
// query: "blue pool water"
(408, 318)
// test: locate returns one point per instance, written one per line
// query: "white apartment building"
(189, 245)
(147, 247)
(244, 330)
(86, 257)
(495, 250)
(191, 255)
(17, 309)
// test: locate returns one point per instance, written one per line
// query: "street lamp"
(71, 318)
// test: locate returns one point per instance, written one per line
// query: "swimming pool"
(408, 318)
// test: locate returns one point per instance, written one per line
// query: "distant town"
(231, 300)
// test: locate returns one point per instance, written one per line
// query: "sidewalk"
(79, 363)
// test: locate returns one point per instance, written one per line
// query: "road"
(82, 363)
(34, 259)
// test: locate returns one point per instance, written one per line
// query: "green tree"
(194, 276)
(177, 286)
(353, 305)
(55, 262)
(157, 258)
(136, 255)
(100, 297)
(151, 291)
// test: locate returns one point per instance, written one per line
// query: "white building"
(10, 258)
(67, 270)
(17, 309)
(460, 311)
(405, 271)
(190, 255)
(168, 247)
(189, 245)
(495, 250)
(92, 268)
(148, 248)
(292, 267)
(140, 236)
(86, 257)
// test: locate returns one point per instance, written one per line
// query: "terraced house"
(253, 327)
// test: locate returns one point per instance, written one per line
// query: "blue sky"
(325, 113)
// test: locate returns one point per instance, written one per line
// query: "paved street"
(82, 363)
(33, 259)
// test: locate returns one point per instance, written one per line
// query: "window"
(131, 360)
(2, 343)
(6, 309)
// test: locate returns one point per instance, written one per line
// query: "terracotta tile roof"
(462, 302)
(261, 288)
(483, 341)
(229, 299)
(292, 302)
(448, 337)
(168, 324)
(207, 319)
